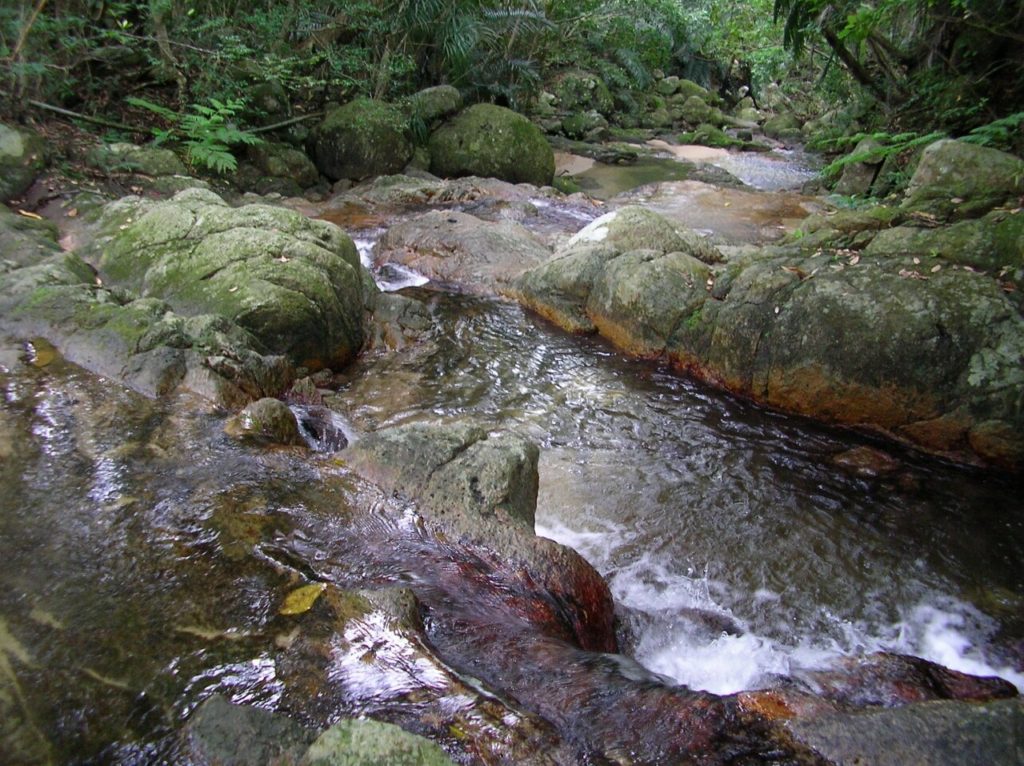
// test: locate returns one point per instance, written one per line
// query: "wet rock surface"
(460, 249)
(870, 342)
(295, 284)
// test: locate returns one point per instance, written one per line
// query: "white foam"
(675, 644)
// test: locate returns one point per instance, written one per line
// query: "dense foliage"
(953, 65)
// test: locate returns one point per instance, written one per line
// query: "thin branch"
(86, 118)
(286, 123)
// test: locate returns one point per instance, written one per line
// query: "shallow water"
(133, 535)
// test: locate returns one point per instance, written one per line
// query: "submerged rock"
(488, 140)
(266, 419)
(220, 733)
(371, 743)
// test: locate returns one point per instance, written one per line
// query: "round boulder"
(488, 140)
(361, 139)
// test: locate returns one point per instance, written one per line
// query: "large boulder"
(958, 179)
(931, 356)
(24, 241)
(488, 140)
(22, 156)
(296, 284)
(460, 249)
(361, 139)
(863, 165)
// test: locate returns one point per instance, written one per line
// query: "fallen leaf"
(283, 259)
(957, 200)
(232, 289)
(936, 268)
(855, 260)
(301, 600)
(73, 212)
(727, 204)
(27, 214)
(917, 261)
(796, 270)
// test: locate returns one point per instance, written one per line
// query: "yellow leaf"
(301, 600)
(34, 216)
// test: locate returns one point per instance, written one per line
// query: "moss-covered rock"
(22, 156)
(438, 102)
(24, 241)
(296, 284)
(957, 179)
(129, 158)
(266, 420)
(584, 124)
(361, 139)
(488, 140)
(576, 90)
(993, 243)
(859, 176)
(371, 743)
(928, 355)
(782, 126)
(141, 342)
(279, 160)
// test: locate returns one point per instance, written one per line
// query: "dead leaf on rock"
(796, 270)
(908, 274)
(855, 260)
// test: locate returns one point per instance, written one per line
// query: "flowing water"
(131, 531)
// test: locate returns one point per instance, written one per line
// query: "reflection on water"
(689, 500)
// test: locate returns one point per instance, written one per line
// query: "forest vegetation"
(904, 67)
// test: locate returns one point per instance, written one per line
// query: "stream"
(735, 547)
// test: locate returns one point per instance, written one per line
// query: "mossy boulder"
(438, 102)
(928, 356)
(488, 140)
(584, 124)
(371, 743)
(140, 341)
(783, 126)
(265, 420)
(361, 139)
(576, 90)
(993, 243)
(862, 168)
(296, 284)
(955, 179)
(24, 241)
(279, 160)
(130, 158)
(22, 157)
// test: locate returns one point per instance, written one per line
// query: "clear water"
(133, 587)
